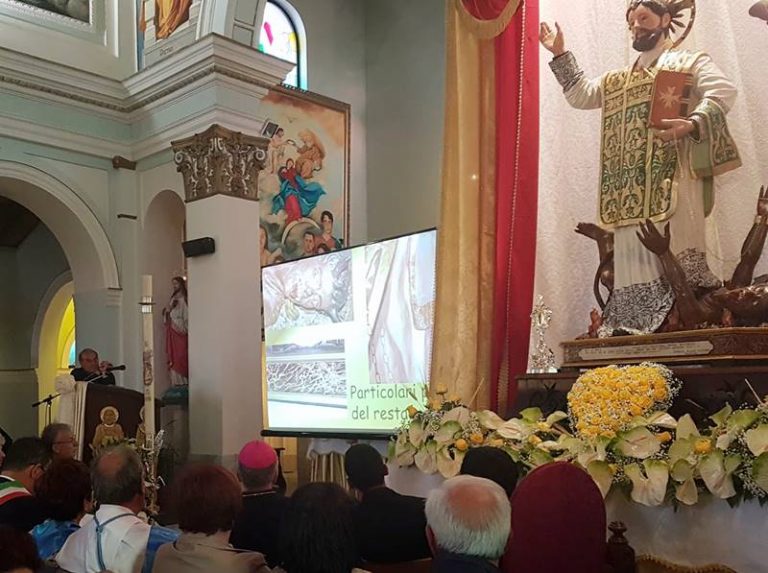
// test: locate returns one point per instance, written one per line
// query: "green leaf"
(490, 420)
(416, 432)
(637, 443)
(447, 433)
(391, 447)
(531, 415)
(686, 428)
(757, 439)
(687, 493)
(662, 420)
(556, 417)
(540, 458)
(602, 475)
(722, 416)
(459, 414)
(742, 419)
(652, 489)
(718, 480)
(725, 440)
(760, 472)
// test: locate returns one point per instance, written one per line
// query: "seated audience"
(17, 551)
(116, 538)
(91, 370)
(468, 525)
(256, 527)
(557, 501)
(207, 500)
(379, 508)
(493, 464)
(60, 441)
(23, 466)
(65, 490)
(317, 531)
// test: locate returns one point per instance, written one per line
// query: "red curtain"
(517, 152)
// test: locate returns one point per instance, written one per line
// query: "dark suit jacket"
(257, 527)
(391, 527)
(452, 563)
(21, 513)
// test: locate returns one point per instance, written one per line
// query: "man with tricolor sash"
(25, 463)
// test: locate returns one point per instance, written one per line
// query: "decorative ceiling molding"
(211, 60)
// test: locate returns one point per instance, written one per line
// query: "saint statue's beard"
(648, 41)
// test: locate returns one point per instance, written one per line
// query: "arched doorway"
(94, 281)
(163, 233)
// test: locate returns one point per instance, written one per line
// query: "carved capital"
(220, 161)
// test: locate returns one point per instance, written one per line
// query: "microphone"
(111, 368)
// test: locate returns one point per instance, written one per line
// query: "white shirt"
(123, 543)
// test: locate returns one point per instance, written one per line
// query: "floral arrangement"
(617, 429)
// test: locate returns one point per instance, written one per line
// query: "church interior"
(491, 273)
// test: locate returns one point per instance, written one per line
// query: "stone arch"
(75, 226)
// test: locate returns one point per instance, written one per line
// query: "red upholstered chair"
(558, 523)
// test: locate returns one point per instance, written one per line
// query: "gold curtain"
(466, 246)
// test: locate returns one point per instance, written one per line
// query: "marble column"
(220, 168)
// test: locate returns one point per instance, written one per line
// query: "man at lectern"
(91, 370)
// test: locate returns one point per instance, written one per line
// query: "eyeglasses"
(71, 440)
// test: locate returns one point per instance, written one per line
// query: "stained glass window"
(279, 38)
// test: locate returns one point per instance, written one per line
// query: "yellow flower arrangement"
(604, 401)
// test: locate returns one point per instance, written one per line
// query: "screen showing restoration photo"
(349, 335)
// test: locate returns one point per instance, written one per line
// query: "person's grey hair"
(52, 431)
(471, 516)
(117, 476)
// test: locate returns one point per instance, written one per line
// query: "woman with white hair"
(468, 525)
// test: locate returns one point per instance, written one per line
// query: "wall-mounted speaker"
(198, 247)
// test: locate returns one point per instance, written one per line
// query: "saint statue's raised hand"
(554, 41)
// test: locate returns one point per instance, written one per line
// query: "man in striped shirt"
(25, 463)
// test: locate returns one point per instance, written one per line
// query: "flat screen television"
(348, 337)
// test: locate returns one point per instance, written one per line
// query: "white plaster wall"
(106, 47)
(336, 68)
(405, 85)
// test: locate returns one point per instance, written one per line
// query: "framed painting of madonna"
(304, 187)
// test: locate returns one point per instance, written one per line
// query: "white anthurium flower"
(555, 417)
(760, 472)
(757, 440)
(722, 416)
(426, 458)
(686, 428)
(447, 433)
(602, 475)
(716, 471)
(682, 449)
(515, 429)
(531, 415)
(685, 490)
(449, 466)
(637, 443)
(458, 414)
(652, 489)
(550, 446)
(490, 420)
(416, 432)
(662, 420)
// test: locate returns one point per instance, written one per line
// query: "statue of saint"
(176, 320)
(662, 175)
(109, 432)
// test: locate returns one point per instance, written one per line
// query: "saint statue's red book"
(671, 96)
